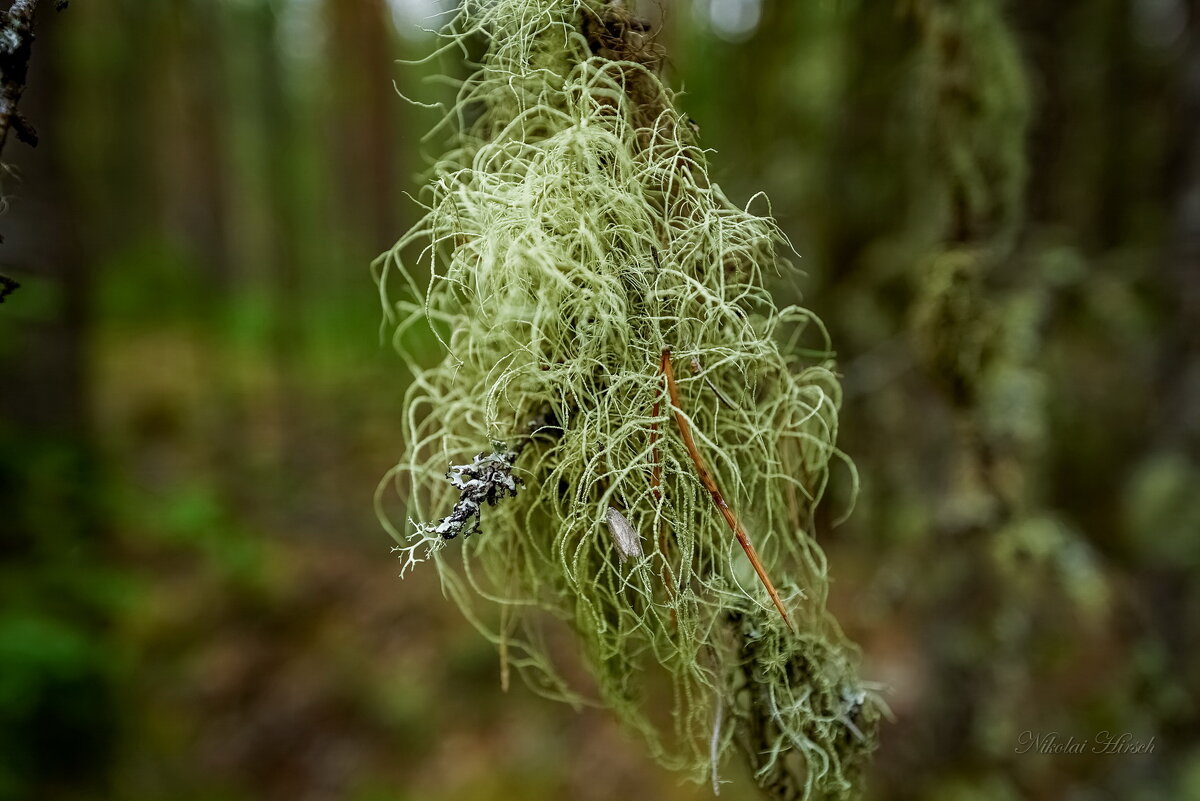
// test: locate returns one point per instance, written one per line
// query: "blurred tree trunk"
(202, 190)
(361, 129)
(281, 156)
(45, 394)
(196, 137)
(1179, 366)
(1172, 610)
(52, 625)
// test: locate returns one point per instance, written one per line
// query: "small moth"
(628, 541)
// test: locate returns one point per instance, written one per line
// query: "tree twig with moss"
(573, 242)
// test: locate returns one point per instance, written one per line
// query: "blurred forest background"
(997, 205)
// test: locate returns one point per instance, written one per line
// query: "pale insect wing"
(627, 540)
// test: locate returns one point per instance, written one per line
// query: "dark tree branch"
(16, 45)
(7, 286)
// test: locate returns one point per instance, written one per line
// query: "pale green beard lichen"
(572, 236)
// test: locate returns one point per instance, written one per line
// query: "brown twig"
(710, 484)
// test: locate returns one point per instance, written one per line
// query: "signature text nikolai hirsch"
(1104, 742)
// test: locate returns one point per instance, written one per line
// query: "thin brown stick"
(710, 484)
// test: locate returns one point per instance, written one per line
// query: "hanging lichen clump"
(973, 112)
(630, 448)
(979, 322)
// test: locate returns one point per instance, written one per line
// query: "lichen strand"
(571, 236)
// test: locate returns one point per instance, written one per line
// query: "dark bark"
(51, 490)
(45, 387)
(16, 46)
